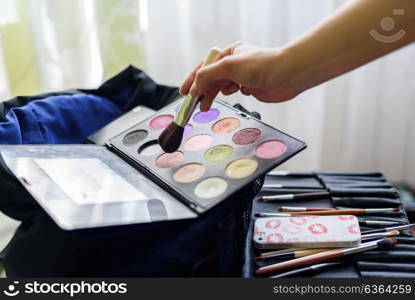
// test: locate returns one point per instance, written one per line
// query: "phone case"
(307, 232)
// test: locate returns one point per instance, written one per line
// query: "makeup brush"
(292, 254)
(288, 173)
(304, 196)
(400, 227)
(335, 192)
(279, 251)
(378, 222)
(296, 208)
(296, 252)
(308, 270)
(266, 215)
(356, 211)
(340, 174)
(361, 221)
(385, 243)
(270, 186)
(326, 212)
(171, 138)
(379, 235)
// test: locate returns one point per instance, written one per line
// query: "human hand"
(260, 72)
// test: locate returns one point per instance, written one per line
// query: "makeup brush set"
(329, 224)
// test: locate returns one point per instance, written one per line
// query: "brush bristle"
(171, 138)
(387, 243)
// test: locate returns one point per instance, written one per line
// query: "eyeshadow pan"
(187, 130)
(189, 172)
(150, 148)
(133, 137)
(246, 136)
(218, 154)
(198, 142)
(211, 187)
(161, 121)
(270, 149)
(226, 125)
(241, 168)
(206, 117)
(169, 160)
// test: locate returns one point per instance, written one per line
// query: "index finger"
(187, 83)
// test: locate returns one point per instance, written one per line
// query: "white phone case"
(307, 232)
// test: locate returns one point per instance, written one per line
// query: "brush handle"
(291, 209)
(400, 227)
(329, 212)
(307, 270)
(288, 173)
(296, 196)
(302, 261)
(294, 254)
(189, 103)
(344, 211)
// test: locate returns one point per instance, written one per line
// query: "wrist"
(287, 70)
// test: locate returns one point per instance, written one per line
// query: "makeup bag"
(347, 190)
(210, 245)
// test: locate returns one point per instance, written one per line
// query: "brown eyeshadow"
(246, 136)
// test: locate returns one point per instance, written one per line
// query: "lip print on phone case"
(318, 229)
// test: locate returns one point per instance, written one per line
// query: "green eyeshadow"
(218, 154)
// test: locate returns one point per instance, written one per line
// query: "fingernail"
(203, 107)
(234, 88)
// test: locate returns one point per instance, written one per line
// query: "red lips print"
(346, 218)
(298, 220)
(275, 238)
(353, 229)
(273, 224)
(318, 229)
(292, 229)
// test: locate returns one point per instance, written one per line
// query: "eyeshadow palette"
(222, 150)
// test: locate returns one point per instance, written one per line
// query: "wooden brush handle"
(320, 209)
(300, 262)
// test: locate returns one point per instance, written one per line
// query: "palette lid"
(87, 186)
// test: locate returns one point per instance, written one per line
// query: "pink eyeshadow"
(169, 160)
(270, 149)
(198, 142)
(161, 121)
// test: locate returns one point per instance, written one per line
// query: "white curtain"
(360, 121)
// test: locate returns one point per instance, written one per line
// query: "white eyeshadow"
(211, 187)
